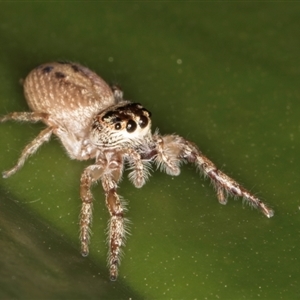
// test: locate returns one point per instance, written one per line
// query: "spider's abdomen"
(70, 93)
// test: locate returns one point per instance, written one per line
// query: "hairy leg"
(30, 149)
(116, 228)
(118, 93)
(139, 168)
(171, 150)
(90, 175)
(24, 117)
(109, 169)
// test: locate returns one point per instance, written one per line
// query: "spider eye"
(131, 126)
(143, 122)
(118, 126)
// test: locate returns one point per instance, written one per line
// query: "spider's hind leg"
(118, 93)
(33, 146)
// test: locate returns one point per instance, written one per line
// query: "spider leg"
(109, 169)
(139, 168)
(118, 93)
(171, 150)
(88, 177)
(116, 228)
(24, 117)
(32, 147)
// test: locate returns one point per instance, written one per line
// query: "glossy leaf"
(224, 75)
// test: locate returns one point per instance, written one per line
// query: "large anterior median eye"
(131, 126)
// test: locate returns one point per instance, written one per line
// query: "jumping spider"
(94, 122)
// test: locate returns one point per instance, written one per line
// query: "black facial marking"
(59, 75)
(125, 115)
(47, 69)
(149, 113)
(131, 126)
(108, 115)
(75, 68)
(95, 124)
(135, 108)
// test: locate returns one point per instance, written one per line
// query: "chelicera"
(92, 121)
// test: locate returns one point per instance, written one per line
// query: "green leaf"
(224, 75)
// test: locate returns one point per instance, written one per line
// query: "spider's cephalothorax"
(94, 122)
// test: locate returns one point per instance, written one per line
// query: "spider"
(92, 121)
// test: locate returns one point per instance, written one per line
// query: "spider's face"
(123, 124)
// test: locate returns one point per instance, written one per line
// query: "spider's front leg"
(116, 227)
(139, 168)
(171, 150)
(109, 169)
(90, 175)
